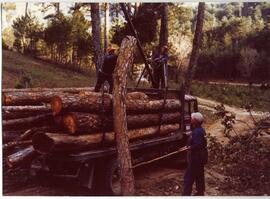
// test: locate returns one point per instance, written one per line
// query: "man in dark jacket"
(160, 60)
(197, 157)
(106, 71)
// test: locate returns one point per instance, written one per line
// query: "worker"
(106, 71)
(159, 61)
(197, 156)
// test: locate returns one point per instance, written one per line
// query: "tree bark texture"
(195, 48)
(96, 35)
(45, 142)
(124, 62)
(81, 123)
(29, 122)
(106, 26)
(92, 103)
(163, 36)
(15, 112)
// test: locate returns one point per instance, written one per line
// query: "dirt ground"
(157, 179)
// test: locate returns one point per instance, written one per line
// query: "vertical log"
(124, 61)
(96, 38)
(195, 48)
(106, 26)
(163, 36)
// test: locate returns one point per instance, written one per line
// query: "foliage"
(248, 60)
(249, 171)
(239, 96)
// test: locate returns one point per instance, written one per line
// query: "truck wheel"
(111, 179)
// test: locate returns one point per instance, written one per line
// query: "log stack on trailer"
(68, 120)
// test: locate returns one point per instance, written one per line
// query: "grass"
(41, 73)
(234, 95)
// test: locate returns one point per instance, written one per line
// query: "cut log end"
(56, 105)
(70, 123)
(47, 143)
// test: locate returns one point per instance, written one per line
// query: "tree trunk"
(106, 26)
(196, 46)
(21, 157)
(96, 35)
(26, 10)
(124, 62)
(15, 112)
(44, 142)
(27, 98)
(81, 123)
(13, 144)
(29, 122)
(163, 36)
(93, 102)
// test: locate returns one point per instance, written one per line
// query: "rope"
(164, 92)
(102, 115)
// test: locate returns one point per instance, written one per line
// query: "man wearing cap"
(197, 157)
(159, 61)
(106, 71)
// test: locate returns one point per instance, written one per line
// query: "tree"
(163, 36)
(247, 63)
(195, 48)
(106, 25)
(124, 62)
(96, 35)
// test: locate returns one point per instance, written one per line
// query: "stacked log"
(67, 120)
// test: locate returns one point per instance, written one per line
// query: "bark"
(45, 142)
(13, 144)
(81, 123)
(15, 112)
(92, 103)
(124, 62)
(96, 35)
(68, 90)
(163, 36)
(21, 157)
(195, 48)
(9, 136)
(27, 98)
(106, 26)
(29, 122)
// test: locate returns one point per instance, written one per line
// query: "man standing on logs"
(106, 71)
(159, 62)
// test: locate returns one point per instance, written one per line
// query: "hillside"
(41, 73)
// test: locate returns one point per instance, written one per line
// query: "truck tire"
(110, 180)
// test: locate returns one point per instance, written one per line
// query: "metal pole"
(138, 42)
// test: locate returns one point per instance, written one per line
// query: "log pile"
(66, 120)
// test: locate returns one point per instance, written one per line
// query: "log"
(27, 98)
(90, 102)
(124, 61)
(15, 112)
(21, 157)
(13, 144)
(93, 103)
(81, 123)
(51, 142)
(29, 122)
(69, 89)
(9, 136)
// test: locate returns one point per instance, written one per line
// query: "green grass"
(42, 74)
(234, 95)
